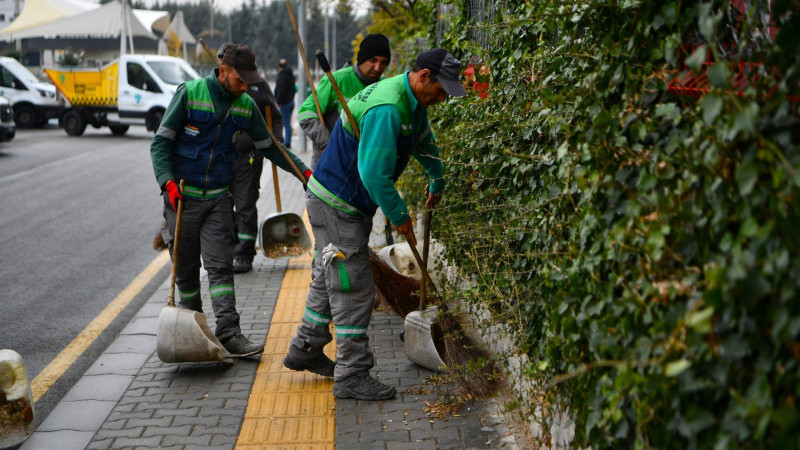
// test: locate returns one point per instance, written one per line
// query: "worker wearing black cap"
(372, 59)
(355, 177)
(196, 143)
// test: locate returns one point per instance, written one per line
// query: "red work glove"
(174, 193)
(307, 174)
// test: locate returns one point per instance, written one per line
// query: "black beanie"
(373, 45)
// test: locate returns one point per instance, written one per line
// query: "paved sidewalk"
(130, 399)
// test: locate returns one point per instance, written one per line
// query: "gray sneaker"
(322, 365)
(363, 388)
(242, 264)
(240, 346)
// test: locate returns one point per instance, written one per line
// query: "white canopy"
(102, 22)
(40, 12)
(178, 26)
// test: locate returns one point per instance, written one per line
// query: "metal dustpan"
(419, 343)
(283, 232)
(423, 341)
(183, 335)
(283, 235)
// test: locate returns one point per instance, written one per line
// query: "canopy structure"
(41, 12)
(178, 26)
(105, 21)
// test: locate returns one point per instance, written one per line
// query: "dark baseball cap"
(445, 68)
(241, 58)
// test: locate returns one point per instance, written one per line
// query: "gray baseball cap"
(445, 68)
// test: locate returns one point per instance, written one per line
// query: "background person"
(285, 89)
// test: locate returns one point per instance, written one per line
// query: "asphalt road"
(77, 218)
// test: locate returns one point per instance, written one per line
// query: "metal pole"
(301, 80)
(122, 31)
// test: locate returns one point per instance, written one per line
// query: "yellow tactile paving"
(289, 410)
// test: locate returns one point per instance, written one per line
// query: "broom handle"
(326, 67)
(423, 290)
(305, 62)
(271, 134)
(275, 182)
(175, 242)
(426, 277)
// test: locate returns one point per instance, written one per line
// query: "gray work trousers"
(207, 232)
(342, 291)
(245, 189)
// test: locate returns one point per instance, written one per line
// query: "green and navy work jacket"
(196, 141)
(358, 176)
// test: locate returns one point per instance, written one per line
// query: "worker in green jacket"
(196, 142)
(353, 179)
(373, 58)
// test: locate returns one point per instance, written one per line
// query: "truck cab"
(133, 90)
(33, 101)
(146, 86)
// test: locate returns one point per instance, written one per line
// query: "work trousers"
(286, 111)
(245, 189)
(342, 291)
(207, 232)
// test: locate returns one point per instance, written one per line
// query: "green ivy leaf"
(675, 368)
(746, 177)
(712, 105)
(719, 75)
(697, 58)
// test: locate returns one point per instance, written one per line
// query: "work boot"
(363, 388)
(242, 264)
(239, 345)
(322, 365)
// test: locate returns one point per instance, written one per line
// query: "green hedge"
(643, 247)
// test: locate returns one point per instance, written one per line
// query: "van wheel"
(119, 130)
(73, 122)
(25, 116)
(154, 120)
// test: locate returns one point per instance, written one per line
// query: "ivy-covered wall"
(642, 244)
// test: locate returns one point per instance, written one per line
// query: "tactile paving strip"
(288, 409)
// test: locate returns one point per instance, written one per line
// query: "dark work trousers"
(244, 187)
(342, 291)
(207, 232)
(286, 112)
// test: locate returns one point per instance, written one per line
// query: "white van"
(33, 101)
(132, 90)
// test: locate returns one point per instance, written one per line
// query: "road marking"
(50, 374)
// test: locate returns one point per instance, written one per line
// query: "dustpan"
(282, 235)
(422, 340)
(183, 335)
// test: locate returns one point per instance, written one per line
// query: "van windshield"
(20, 71)
(173, 73)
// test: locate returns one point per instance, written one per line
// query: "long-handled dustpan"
(282, 235)
(183, 335)
(422, 342)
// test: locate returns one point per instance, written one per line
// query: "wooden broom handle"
(268, 113)
(305, 62)
(176, 240)
(326, 67)
(426, 277)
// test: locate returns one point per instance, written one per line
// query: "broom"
(395, 290)
(472, 369)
